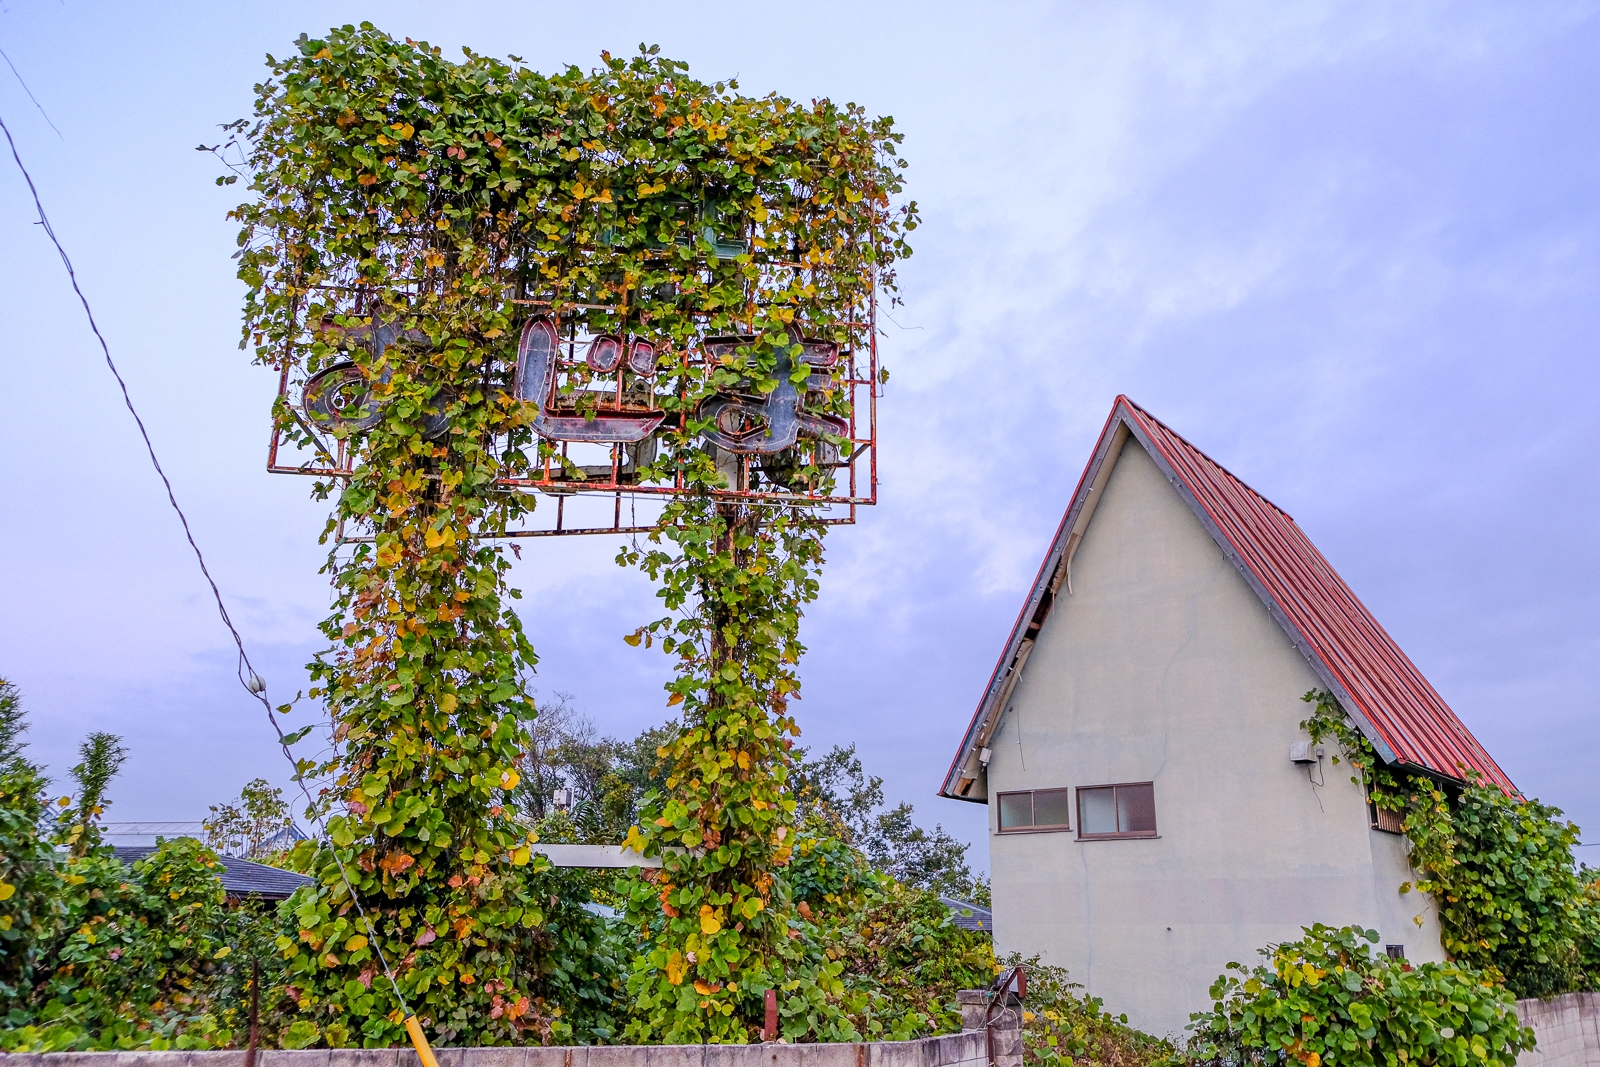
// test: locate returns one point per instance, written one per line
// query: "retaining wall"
(966, 1049)
(1568, 1028)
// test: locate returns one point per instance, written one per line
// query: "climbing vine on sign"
(410, 216)
(1498, 866)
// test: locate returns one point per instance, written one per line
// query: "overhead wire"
(252, 681)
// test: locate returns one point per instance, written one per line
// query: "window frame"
(1033, 828)
(1141, 835)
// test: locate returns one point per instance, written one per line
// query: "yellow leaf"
(355, 944)
(7, 890)
(433, 537)
(604, 197)
(676, 969)
(634, 840)
(221, 952)
(1313, 1060)
(709, 923)
(324, 54)
(675, 698)
(447, 703)
(632, 639)
(520, 856)
(509, 779)
(705, 989)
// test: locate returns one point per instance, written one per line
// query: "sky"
(1351, 250)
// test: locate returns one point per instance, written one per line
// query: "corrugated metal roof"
(240, 878)
(1375, 682)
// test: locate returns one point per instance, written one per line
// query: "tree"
(12, 723)
(244, 827)
(840, 792)
(99, 758)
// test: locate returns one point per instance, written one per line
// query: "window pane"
(1051, 807)
(1136, 809)
(1016, 809)
(1097, 811)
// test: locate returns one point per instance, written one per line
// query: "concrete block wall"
(966, 1049)
(1568, 1028)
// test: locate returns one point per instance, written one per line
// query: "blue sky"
(1351, 250)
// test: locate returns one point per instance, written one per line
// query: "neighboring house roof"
(969, 916)
(1375, 683)
(240, 878)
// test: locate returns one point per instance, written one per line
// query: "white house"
(1147, 822)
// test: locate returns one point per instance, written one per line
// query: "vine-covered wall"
(1511, 900)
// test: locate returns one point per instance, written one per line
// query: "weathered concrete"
(1162, 665)
(966, 1049)
(1568, 1028)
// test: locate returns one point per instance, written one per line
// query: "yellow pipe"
(420, 1040)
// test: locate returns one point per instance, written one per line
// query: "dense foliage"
(867, 958)
(1511, 900)
(1328, 999)
(1061, 1027)
(95, 954)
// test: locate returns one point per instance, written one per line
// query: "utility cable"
(29, 91)
(252, 681)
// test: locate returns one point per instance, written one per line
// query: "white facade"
(1158, 663)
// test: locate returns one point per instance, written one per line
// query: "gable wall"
(1162, 665)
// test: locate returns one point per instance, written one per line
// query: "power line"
(35, 100)
(253, 684)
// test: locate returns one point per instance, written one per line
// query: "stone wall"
(1568, 1029)
(966, 1049)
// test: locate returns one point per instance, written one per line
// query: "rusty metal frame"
(855, 484)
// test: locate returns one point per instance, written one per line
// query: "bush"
(1327, 998)
(129, 957)
(1061, 1026)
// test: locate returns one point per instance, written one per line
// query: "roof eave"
(1051, 570)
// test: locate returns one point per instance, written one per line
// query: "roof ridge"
(1203, 454)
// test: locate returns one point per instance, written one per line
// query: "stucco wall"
(1162, 665)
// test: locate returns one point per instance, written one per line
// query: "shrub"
(1061, 1026)
(1328, 999)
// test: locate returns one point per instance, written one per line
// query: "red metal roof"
(1382, 690)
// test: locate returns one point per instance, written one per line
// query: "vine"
(1498, 866)
(410, 217)
(717, 918)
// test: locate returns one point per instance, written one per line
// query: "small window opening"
(1385, 820)
(1395, 952)
(1035, 809)
(1109, 811)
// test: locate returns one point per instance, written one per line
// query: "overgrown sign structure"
(467, 274)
